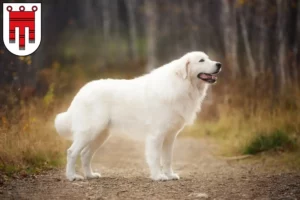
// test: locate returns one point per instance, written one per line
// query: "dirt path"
(125, 176)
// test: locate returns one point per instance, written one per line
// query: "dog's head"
(197, 65)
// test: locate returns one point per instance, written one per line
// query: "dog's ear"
(184, 70)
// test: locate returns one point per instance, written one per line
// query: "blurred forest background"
(253, 108)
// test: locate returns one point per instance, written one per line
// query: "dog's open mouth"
(209, 78)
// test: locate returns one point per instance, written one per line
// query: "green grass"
(33, 162)
(277, 140)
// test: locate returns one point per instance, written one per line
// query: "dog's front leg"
(167, 154)
(153, 154)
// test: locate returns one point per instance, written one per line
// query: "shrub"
(277, 140)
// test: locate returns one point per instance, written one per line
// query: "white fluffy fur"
(157, 105)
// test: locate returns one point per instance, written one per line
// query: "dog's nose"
(219, 65)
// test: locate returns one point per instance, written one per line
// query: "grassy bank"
(252, 121)
(28, 140)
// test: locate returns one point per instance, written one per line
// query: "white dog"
(157, 105)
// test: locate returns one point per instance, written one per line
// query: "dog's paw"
(173, 176)
(159, 177)
(94, 175)
(74, 177)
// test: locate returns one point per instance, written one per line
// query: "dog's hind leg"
(88, 153)
(72, 154)
(87, 127)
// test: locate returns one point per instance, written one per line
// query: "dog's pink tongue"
(205, 76)
(208, 76)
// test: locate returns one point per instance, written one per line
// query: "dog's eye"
(202, 60)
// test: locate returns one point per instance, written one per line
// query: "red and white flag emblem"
(22, 27)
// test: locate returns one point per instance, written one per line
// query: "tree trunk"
(297, 47)
(230, 36)
(151, 26)
(245, 36)
(87, 14)
(281, 9)
(195, 29)
(262, 36)
(131, 9)
(189, 23)
(115, 18)
(106, 19)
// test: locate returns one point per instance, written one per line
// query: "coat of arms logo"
(22, 27)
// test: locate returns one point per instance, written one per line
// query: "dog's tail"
(63, 125)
